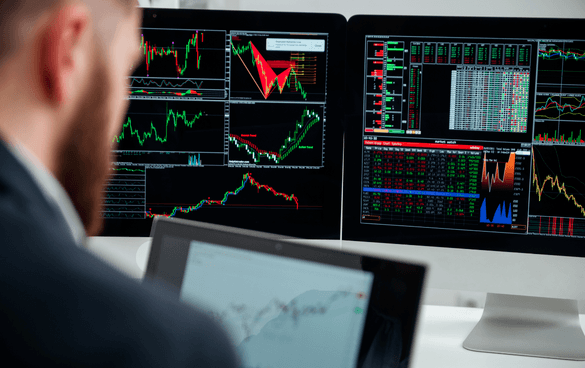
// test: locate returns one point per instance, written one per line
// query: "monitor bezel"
(437, 26)
(330, 176)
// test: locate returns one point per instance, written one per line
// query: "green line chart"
(172, 118)
(178, 126)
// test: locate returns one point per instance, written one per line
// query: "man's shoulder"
(70, 307)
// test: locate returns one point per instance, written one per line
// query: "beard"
(85, 157)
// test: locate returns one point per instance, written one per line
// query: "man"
(62, 86)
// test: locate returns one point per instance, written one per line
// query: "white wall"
(501, 8)
(558, 8)
(515, 8)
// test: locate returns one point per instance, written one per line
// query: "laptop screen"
(275, 307)
(287, 304)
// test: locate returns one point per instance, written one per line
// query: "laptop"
(288, 304)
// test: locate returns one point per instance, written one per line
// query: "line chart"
(185, 126)
(558, 187)
(495, 180)
(160, 83)
(252, 319)
(182, 88)
(172, 117)
(560, 107)
(163, 93)
(561, 67)
(260, 73)
(247, 179)
(554, 53)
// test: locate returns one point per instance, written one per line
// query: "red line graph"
(489, 181)
(247, 178)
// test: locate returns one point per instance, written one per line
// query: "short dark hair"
(13, 11)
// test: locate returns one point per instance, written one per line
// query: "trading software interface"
(222, 119)
(294, 305)
(474, 134)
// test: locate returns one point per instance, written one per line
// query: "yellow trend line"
(557, 117)
(553, 182)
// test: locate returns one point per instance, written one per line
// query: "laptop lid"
(288, 303)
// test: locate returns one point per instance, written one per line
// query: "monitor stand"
(531, 326)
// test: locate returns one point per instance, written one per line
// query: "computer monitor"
(464, 141)
(234, 119)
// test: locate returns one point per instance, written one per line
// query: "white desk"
(440, 332)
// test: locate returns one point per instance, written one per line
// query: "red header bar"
(423, 145)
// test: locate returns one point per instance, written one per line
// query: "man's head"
(63, 65)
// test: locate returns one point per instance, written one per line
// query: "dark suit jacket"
(61, 305)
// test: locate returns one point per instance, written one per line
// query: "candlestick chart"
(558, 182)
(180, 64)
(171, 126)
(561, 67)
(261, 74)
(254, 194)
(261, 136)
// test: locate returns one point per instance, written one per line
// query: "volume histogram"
(260, 72)
(559, 132)
(259, 136)
(180, 64)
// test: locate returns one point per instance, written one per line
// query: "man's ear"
(63, 55)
